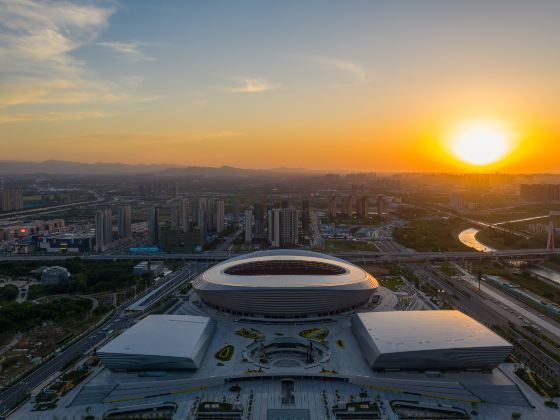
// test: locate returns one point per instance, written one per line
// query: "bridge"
(355, 256)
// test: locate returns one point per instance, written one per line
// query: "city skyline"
(374, 87)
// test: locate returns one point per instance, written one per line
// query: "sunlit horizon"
(375, 87)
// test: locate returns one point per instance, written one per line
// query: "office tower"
(274, 227)
(100, 231)
(175, 218)
(186, 215)
(11, 200)
(248, 226)
(124, 221)
(285, 204)
(331, 211)
(259, 219)
(380, 205)
(288, 227)
(220, 216)
(347, 206)
(153, 224)
(306, 218)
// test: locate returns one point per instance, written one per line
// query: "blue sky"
(191, 74)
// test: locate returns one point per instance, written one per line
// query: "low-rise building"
(55, 276)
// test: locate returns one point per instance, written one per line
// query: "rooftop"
(161, 335)
(286, 268)
(400, 331)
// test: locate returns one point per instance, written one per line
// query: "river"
(468, 237)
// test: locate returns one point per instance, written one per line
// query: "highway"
(119, 320)
(493, 312)
(40, 210)
(396, 255)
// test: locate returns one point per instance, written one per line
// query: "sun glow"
(481, 143)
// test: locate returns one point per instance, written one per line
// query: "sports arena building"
(285, 284)
(334, 344)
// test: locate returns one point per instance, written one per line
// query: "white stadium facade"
(285, 284)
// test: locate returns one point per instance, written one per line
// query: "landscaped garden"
(251, 333)
(315, 333)
(225, 353)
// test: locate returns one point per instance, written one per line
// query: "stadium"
(285, 284)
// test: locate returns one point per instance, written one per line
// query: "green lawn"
(439, 234)
(391, 283)
(346, 245)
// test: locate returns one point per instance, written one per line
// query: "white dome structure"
(285, 284)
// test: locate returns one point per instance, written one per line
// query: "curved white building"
(285, 284)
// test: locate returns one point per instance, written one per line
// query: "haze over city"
(381, 86)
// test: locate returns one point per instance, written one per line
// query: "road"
(40, 210)
(119, 320)
(494, 312)
(358, 256)
(223, 247)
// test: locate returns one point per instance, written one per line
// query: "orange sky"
(349, 89)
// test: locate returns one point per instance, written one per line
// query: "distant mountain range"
(12, 167)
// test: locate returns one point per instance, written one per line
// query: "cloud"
(37, 42)
(252, 85)
(50, 117)
(351, 69)
(131, 50)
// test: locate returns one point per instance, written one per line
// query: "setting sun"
(481, 143)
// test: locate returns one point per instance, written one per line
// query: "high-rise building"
(540, 192)
(195, 204)
(108, 226)
(211, 214)
(306, 218)
(331, 211)
(347, 206)
(380, 206)
(153, 224)
(124, 221)
(100, 231)
(186, 215)
(288, 227)
(202, 222)
(274, 227)
(175, 218)
(456, 201)
(362, 207)
(258, 216)
(248, 226)
(11, 200)
(220, 216)
(103, 229)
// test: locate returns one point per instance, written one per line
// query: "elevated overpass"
(356, 256)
